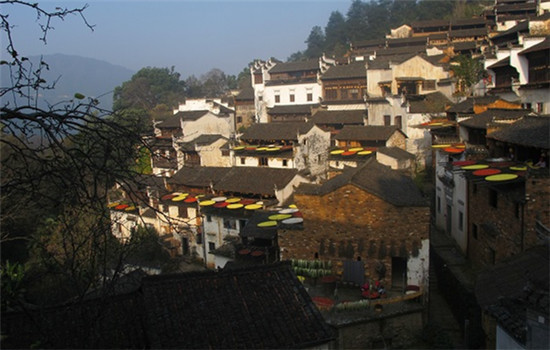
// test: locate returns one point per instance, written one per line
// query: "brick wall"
(499, 229)
(350, 223)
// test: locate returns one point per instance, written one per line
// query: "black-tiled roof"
(246, 94)
(295, 66)
(261, 307)
(465, 33)
(276, 131)
(190, 115)
(198, 176)
(531, 131)
(390, 185)
(352, 70)
(542, 46)
(502, 63)
(383, 62)
(339, 117)
(467, 106)
(480, 121)
(518, 28)
(366, 133)
(292, 109)
(507, 289)
(255, 180)
(435, 102)
(174, 121)
(395, 152)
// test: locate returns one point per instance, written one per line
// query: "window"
(344, 94)
(330, 94)
(439, 205)
(354, 94)
(209, 218)
(428, 85)
(277, 98)
(242, 161)
(239, 119)
(540, 107)
(211, 246)
(309, 96)
(285, 162)
(230, 224)
(262, 161)
(474, 231)
(387, 120)
(399, 121)
(493, 198)
(164, 208)
(182, 212)
(460, 220)
(291, 97)
(198, 237)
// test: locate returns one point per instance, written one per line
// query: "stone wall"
(349, 223)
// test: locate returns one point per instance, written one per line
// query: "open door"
(398, 272)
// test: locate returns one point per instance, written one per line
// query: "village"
(325, 205)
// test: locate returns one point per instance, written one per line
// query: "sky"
(194, 36)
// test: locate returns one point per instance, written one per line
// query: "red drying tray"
(464, 162)
(220, 205)
(168, 197)
(190, 200)
(453, 150)
(121, 206)
(486, 172)
(247, 201)
(348, 153)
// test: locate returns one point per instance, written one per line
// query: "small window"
(230, 224)
(474, 231)
(211, 246)
(242, 161)
(540, 107)
(493, 198)
(460, 220)
(387, 120)
(292, 98)
(439, 205)
(239, 119)
(285, 162)
(309, 96)
(428, 85)
(277, 99)
(209, 218)
(165, 208)
(182, 212)
(198, 237)
(262, 161)
(399, 121)
(354, 94)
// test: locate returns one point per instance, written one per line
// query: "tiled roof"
(366, 133)
(339, 117)
(276, 131)
(198, 176)
(245, 94)
(171, 122)
(480, 121)
(292, 109)
(542, 46)
(518, 28)
(200, 141)
(435, 102)
(430, 23)
(295, 66)
(417, 40)
(464, 33)
(390, 185)
(190, 115)
(395, 152)
(531, 131)
(502, 63)
(261, 307)
(369, 43)
(508, 288)
(352, 70)
(467, 106)
(255, 180)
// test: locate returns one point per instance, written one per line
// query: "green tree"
(468, 72)
(148, 88)
(315, 43)
(357, 24)
(335, 34)
(297, 56)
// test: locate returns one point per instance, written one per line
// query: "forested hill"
(75, 74)
(374, 19)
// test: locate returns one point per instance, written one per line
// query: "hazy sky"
(192, 35)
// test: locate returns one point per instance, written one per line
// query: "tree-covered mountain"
(373, 19)
(74, 74)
